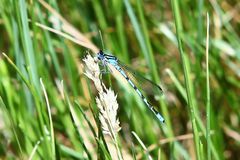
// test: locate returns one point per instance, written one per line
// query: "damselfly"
(107, 59)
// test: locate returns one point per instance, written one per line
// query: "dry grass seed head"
(107, 103)
(107, 100)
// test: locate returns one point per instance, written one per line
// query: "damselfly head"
(100, 55)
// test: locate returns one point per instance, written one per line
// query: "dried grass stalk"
(106, 102)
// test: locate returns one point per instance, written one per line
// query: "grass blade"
(179, 30)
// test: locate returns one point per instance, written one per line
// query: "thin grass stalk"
(179, 31)
(53, 154)
(208, 95)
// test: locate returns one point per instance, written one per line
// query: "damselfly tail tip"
(161, 119)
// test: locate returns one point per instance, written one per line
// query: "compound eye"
(100, 52)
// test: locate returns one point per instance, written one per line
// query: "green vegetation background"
(164, 40)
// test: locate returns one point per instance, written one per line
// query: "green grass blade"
(27, 44)
(179, 30)
(3, 106)
(208, 128)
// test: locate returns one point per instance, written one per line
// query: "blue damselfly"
(107, 59)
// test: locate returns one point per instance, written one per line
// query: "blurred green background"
(164, 40)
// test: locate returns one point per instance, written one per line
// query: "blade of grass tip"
(208, 95)
(12, 127)
(177, 83)
(179, 31)
(34, 150)
(143, 146)
(50, 120)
